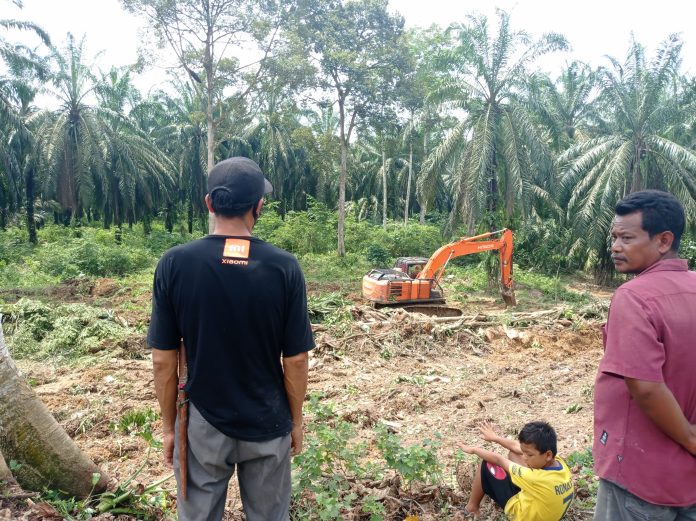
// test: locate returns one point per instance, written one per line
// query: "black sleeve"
(163, 332)
(298, 336)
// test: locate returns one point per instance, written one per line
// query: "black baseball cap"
(241, 178)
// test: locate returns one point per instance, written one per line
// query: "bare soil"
(421, 375)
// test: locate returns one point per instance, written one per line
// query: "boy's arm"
(490, 457)
(489, 434)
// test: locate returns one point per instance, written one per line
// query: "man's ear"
(209, 203)
(665, 240)
(548, 455)
(256, 211)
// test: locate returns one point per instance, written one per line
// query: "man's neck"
(239, 226)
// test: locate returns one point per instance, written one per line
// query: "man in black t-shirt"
(239, 306)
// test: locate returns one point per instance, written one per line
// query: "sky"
(594, 28)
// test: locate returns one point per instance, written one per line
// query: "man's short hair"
(660, 211)
(225, 205)
(541, 435)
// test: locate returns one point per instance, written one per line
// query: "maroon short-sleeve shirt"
(650, 335)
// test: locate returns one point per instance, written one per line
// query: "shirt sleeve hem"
(161, 346)
(624, 372)
(296, 351)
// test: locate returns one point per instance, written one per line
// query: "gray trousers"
(616, 504)
(263, 472)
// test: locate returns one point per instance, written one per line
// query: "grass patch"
(586, 483)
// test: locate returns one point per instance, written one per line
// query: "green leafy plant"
(586, 483)
(417, 462)
(330, 457)
(137, 421)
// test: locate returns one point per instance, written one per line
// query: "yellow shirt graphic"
(545, 494)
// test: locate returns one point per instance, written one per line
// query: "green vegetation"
(586, 483)
(454, 126)
(67, 331)
(329, 471)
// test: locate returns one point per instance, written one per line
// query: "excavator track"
(432, 308)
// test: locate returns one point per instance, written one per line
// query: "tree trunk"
(189, 211)
(147, 222)
(342, 181)
(423, 204)
(169, 217)
(384, 187)
(6, 477)
(47, 456)
(492, 202)
(636, 177)
(29, 191)
(408, 182)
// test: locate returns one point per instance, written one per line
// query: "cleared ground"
(424, 378)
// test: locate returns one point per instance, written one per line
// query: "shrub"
(417, 462)
(687, 250)
(378, 256)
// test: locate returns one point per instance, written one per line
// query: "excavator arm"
(435, 267)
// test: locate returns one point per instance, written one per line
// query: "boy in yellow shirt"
(530, 484)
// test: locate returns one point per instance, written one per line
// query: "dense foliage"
(376, 124)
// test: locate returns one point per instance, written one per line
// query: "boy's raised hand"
(487, 432)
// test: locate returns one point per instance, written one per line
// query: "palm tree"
(565, 107)
(20, 154)
(638, 150)
(320, 136)
(177, 124)
(375, 165)
(138, 176)
(93, 155)
(497, 150)
(18, 58)
(16, 147)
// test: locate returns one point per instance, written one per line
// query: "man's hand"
(692, 444)
(487, 432)
(297, 437)
(168, 448)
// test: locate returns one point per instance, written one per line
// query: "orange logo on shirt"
(236, 248)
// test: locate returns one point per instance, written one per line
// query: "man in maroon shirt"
(645, 392)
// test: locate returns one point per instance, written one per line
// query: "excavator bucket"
(508, 296)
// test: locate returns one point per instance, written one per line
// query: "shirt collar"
(667, 265)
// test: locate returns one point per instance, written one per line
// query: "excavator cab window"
(415, 270)
(411, 266)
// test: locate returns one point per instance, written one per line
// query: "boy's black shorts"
(497, 484)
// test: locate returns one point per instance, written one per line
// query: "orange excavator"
(416, 280)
